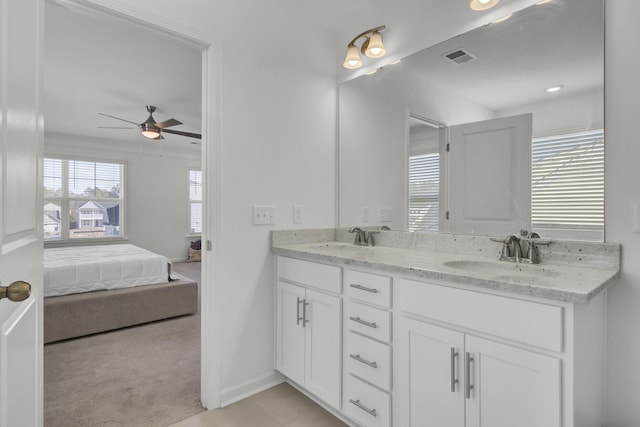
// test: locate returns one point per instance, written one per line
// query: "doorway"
(125, 78)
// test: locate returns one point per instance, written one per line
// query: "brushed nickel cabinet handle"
(304, 313)
(467, 374)
(365, 361)
(371, 412)
(298, 318)
(454, 380)
(364, 288)
(364, 322)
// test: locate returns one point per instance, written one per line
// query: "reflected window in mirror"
(567, 185)
(424, 176)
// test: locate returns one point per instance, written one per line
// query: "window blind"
(424, 192)
(567, 190)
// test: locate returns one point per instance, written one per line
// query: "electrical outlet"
(264, 215)
(386, 214)
(297, 214)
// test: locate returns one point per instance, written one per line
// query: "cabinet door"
(430, 377)
(290, 331)
(512, 387)
(323, 346)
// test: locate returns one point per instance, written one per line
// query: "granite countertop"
(558, 279)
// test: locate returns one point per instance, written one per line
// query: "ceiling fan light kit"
(152, 129)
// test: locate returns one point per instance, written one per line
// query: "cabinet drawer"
(309, 273)
(368, 287)
(365, 404)
(522, 321)
(368, 359)
(370, 321)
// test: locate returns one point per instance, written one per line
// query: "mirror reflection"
(492, 131)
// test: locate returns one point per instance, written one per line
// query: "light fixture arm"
(366, 33)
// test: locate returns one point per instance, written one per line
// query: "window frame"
(191, 201)
(64, 201)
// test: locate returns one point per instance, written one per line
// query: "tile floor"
(280, 406)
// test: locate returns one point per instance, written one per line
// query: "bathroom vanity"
(433, 330)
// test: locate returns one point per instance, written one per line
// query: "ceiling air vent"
(460, 56)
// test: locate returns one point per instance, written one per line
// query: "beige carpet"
(141, 376)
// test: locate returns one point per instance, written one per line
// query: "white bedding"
(82, 269)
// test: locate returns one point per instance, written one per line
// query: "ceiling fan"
(152, 129)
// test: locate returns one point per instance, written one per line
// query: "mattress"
(79, 269)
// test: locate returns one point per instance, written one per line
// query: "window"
(567, 185)
(82, 199)
(195, 201)
(424, 192)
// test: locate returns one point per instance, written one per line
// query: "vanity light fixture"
(482, 4)
(372, 47)
(552, 89)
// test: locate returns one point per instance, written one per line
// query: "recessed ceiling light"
(482, 4)
(552, 89)
(375, 70)
(504, 18)
(397, 61)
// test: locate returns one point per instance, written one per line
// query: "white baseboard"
(249, 388)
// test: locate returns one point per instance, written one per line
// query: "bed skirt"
(76, 315)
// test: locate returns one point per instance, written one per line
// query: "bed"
(92, 289)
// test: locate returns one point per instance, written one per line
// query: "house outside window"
(195, 201)
(82, 199)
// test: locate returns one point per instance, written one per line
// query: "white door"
(290, 334)
(21, 27)
(433, 358)
(512, 387)
(489, 189)
(323, 346)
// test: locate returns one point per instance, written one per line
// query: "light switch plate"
(264, 215)
(297, 214)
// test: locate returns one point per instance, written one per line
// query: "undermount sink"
(503, 268)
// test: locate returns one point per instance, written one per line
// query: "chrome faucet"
(363, 237)
(522, 248)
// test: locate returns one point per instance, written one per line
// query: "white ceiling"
(98, 64)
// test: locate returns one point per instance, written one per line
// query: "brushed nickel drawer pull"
(364, 408)
(364, 288)
(361, 360)
(364, 322)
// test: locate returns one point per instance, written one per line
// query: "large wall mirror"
(495, 130)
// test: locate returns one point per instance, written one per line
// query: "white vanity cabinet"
(471, 359)
(459, 380)
(309, 327)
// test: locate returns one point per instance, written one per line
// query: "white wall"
(156, 188)
(564, 114)
(622, 188)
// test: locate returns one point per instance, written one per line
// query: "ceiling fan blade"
(118, 118)
(188, 134)
(167, 123)
(114, 127)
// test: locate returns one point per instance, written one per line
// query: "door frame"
(210, 372)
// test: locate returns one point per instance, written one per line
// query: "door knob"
(17, 291)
